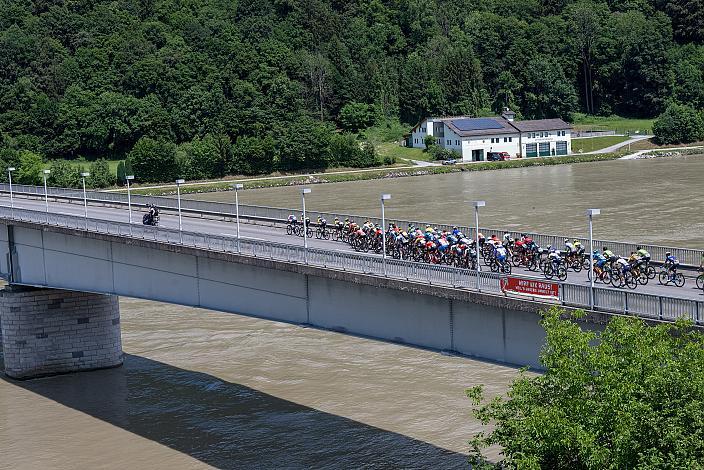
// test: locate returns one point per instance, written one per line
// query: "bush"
(440, 153)
(29, 169)
(253, 156)
(100, 175)
(679, 124)
(429, 141)
(65, 175)
(356, 116)
(120, 173)
(154, 161)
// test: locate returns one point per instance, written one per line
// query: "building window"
(457, 142)
(449, 142)
(510, 139)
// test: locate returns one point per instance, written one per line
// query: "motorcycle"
(151, 217)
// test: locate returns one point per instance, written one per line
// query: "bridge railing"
(573, 295)
(688, 257)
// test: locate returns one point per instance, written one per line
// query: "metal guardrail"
(572, 295)
(688, 257)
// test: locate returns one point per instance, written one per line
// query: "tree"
(429, 141)
(154, 161)
(586, 21)
(679, 124)
(29, 170)
(253, 156)
(100, 174)
(356, 116)
(120, 173)
(629, 397)
(547, 92)
(65, 175)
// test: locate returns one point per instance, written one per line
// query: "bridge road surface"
(278, 234)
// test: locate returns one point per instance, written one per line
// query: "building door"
(531, 150)
(561, 147)
(478, 155)
(544, 149)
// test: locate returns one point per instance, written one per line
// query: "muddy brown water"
(656, 201)
(202, 388)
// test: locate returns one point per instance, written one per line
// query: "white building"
(474, 138)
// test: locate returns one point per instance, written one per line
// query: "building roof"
(468, 127)
(541, 125)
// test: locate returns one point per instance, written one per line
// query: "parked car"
(451, 161)
(497, 156)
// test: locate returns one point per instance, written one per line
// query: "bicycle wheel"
(318, 234)
(700, 281)
(506, 268)
(630, 280)
(663, 278)
(494, 266)
(643, 278)
(650, 272)
(548, 271)
(679, 279)
(326, 235)
(562, 273)
(617, 280)
(576, 265)
(289, 229)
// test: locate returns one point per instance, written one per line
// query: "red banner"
(535, 287)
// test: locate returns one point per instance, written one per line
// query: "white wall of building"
(550, 138)
(497, 143)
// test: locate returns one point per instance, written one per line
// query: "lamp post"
(46, 194)
(129, 199)
(477, 205)
(384, 197)
(84, 175)
(12, 202)
(590, 214)
(237, 187)
(305, 191)
(179, 182)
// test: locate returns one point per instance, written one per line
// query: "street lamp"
(237, 187)
(590, 214)
(129, 200)
(305, 191)
(384, 197)
(12, 202)
(477, 205)
(46, 194)
(84, 175)
(179, 182)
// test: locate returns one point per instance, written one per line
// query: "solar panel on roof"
(478, 124)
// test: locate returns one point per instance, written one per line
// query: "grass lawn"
(85, 164)
(612, 123)
(393, 149)
(596, 143)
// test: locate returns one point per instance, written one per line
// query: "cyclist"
(292, 219)
(610, 256)
(501, 253)
(322, 222)
(671, 264)
(644, 255)
(569, 247)
(599, 259)
(578, 246)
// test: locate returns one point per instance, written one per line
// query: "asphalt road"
(278, 234)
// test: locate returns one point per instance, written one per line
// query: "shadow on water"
(228, 425)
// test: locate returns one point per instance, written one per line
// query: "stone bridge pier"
(50, 331)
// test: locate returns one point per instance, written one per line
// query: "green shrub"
(679, 124)
(154, 161)
(100, 175)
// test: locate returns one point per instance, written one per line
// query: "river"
(656, 201)
(202, 388)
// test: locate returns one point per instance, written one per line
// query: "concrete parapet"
(50, 331)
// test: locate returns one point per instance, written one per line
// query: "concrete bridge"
(60, 313)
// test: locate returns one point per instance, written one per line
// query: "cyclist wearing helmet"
(671, 264)
(569, 247)
(643, 253)
(578, 246)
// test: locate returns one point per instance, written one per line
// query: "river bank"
(363, 175)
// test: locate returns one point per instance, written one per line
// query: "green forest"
(205, 88)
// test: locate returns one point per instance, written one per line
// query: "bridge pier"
(50, 331)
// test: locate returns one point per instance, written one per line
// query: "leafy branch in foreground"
(631, 396)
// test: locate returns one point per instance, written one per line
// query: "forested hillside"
(251, 86)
